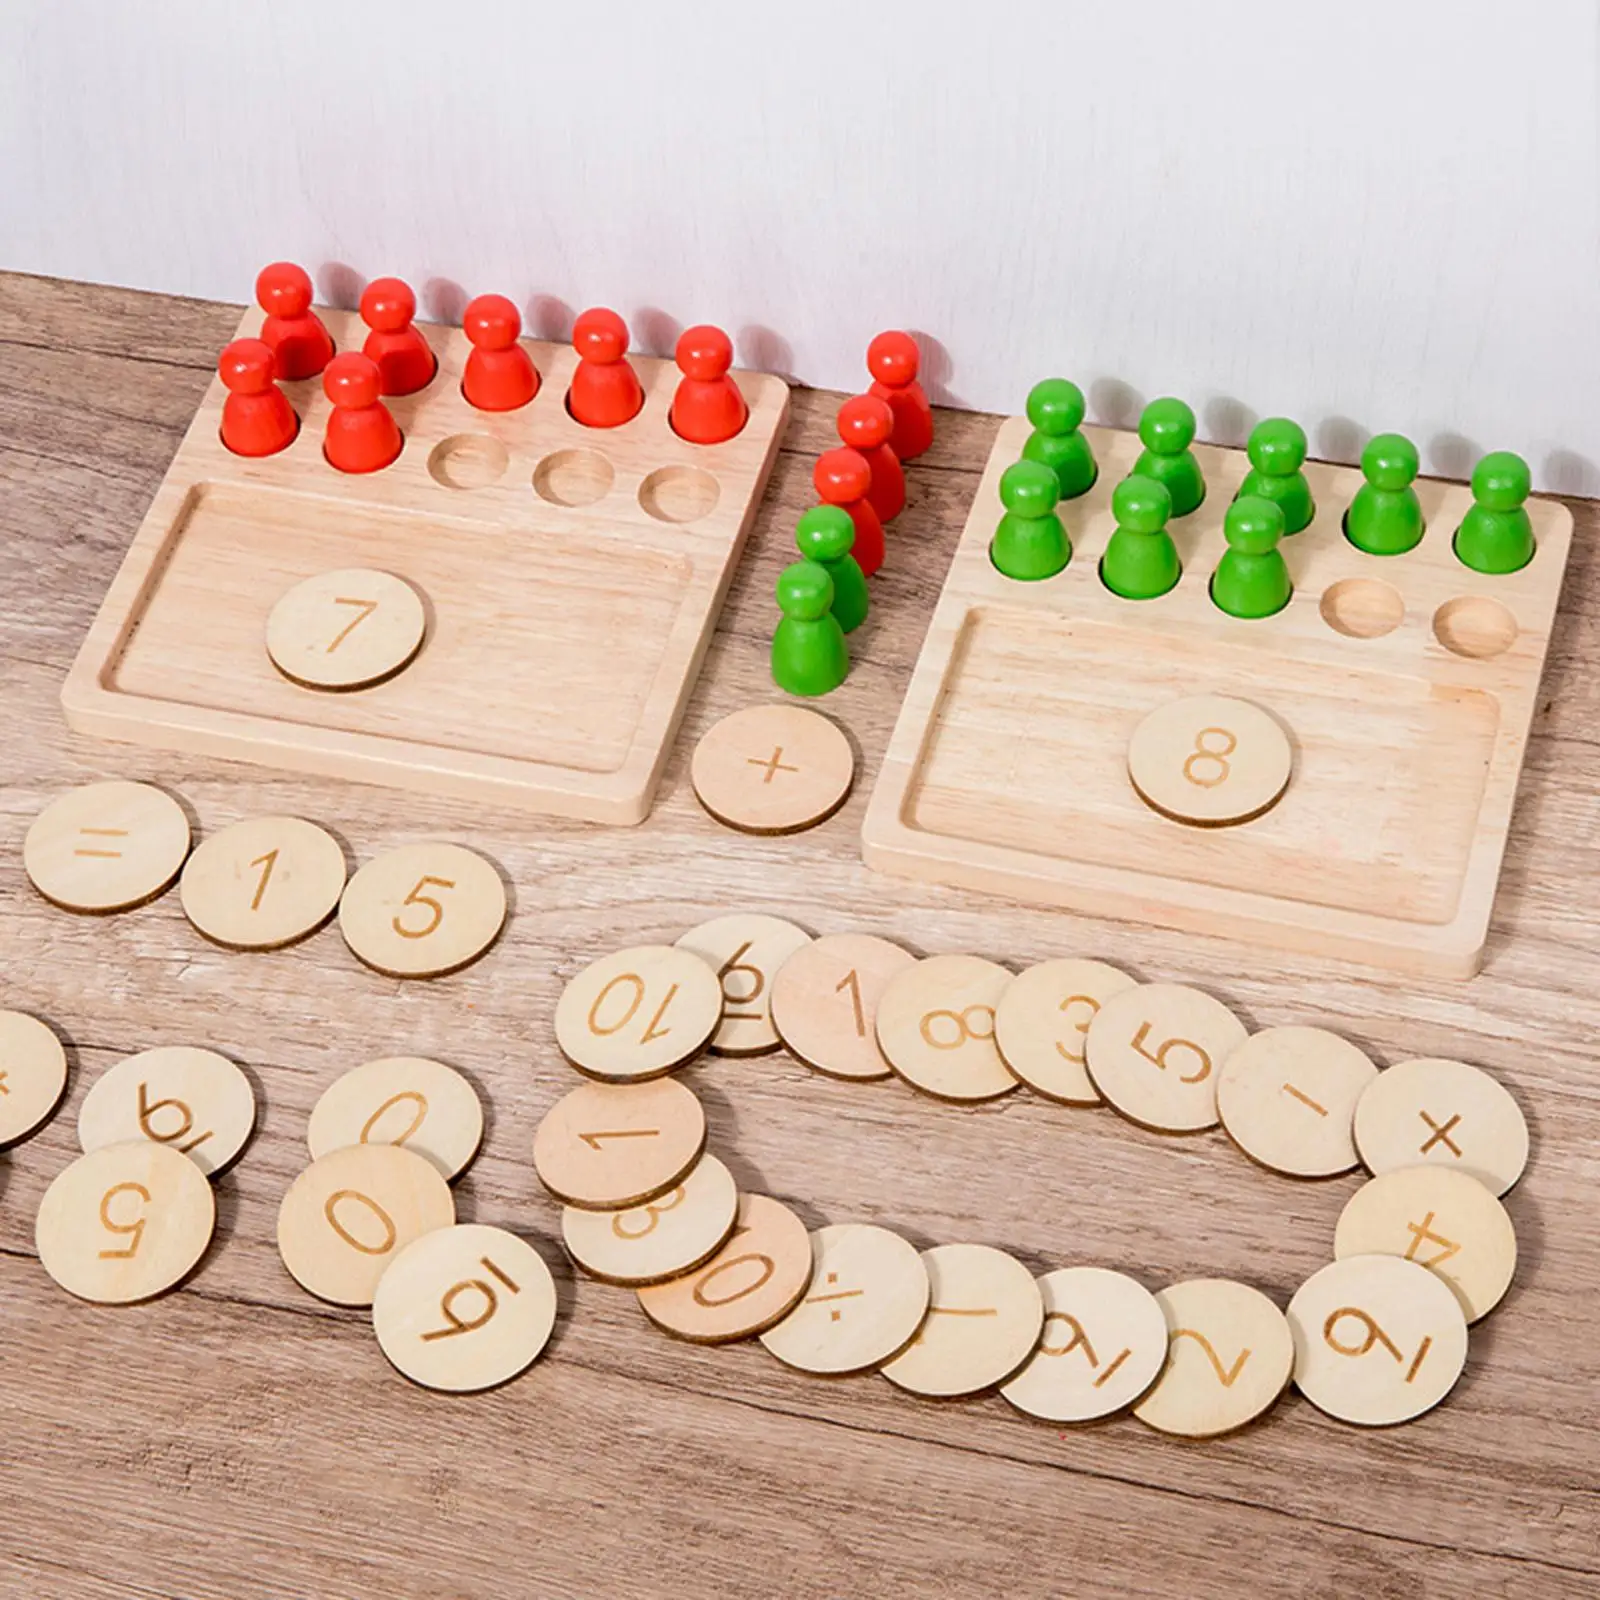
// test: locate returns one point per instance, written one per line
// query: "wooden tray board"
(1007, 770)
(563, 639)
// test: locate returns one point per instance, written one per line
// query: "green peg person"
(1252, 578)
(1385, 518)
(1496, 534)
(1141, 560)
(1029, 542)
(809, 655)
(1277, 450)
(1055, 408)
(826, 535)
(1166, 430)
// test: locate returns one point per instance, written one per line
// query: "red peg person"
(292, 330)
(362, 436)
(257, 419)
(707, 406)
(865, 424)
(843, 478)
(405, 363)
(605, 390)
(500, 374)
(893, 361)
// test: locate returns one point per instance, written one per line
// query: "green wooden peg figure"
(1141, 560)
(1166, 430)
(1252, 578)
(1277, 450)
(1496, 535)
(809, 655)
(826, 535)
(1385, 518)
(1056, 408)
(1029, 542)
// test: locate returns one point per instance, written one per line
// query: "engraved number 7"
(418, 898)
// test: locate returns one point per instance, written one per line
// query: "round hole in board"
(468, 461)
(1362, 608)
(1474, 626)
(679, 494)
(573, 477)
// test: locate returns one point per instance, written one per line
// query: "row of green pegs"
(822, 597)
(1384, 518)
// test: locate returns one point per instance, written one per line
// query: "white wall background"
(1371, 214)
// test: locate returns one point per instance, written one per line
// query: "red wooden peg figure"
(843, 478)
(893, 361)
(605, 390)
(865, 424)
(362, 436)
(405, 363)
(707, 406)
(294, 332)
(500, 374)
(257, 419)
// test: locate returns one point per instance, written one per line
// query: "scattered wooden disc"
(983, 1321)
(665, 1237)
(106, 847)
(194, 1101)
(1445, 1113)
(347, 629)
(351, 1212)
(746, 951)
(33, 1075)
(464, 1308)
(608, 1146)
(1287, 1097)
(1104, 1344)
(638, 1013)
(1443, 1220)
(869, 1293)
(423, 910)
(936, 1027)
(409, 1100)
(1210, 760)
(773, 769)
(1377, 1340)
(825, 1002)
(125, 1223)
(756, 1279)
(1043, 1020)
(1153, 1051)
(1229, 1357)
(263, 883)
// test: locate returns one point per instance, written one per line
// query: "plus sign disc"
(773, 769)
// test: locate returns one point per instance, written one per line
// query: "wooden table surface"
(238, 1438)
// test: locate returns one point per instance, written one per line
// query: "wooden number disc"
(125, 1223)
(638, 1013)
(607, 1146)
(1441, 1219)
(936, 1027)
(746, 951)
(756, 1279)
(348, 1215)
(1154, 1052)
(1377, 1340)
(464, 1308)
(773, 769)
(1209, 759)
(825, 1002)
(1229, 1357)
(410, 1100)
(33, 1075)
(106, 846)
(1104, 1343)
(869, 1293)
(1287, 1097)
(191, 1100)
(347, 629)
(423, 910)
(1443, 1113)
(263, 883)
(1043, 1020)
(663, 1238)
(984, 1315)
